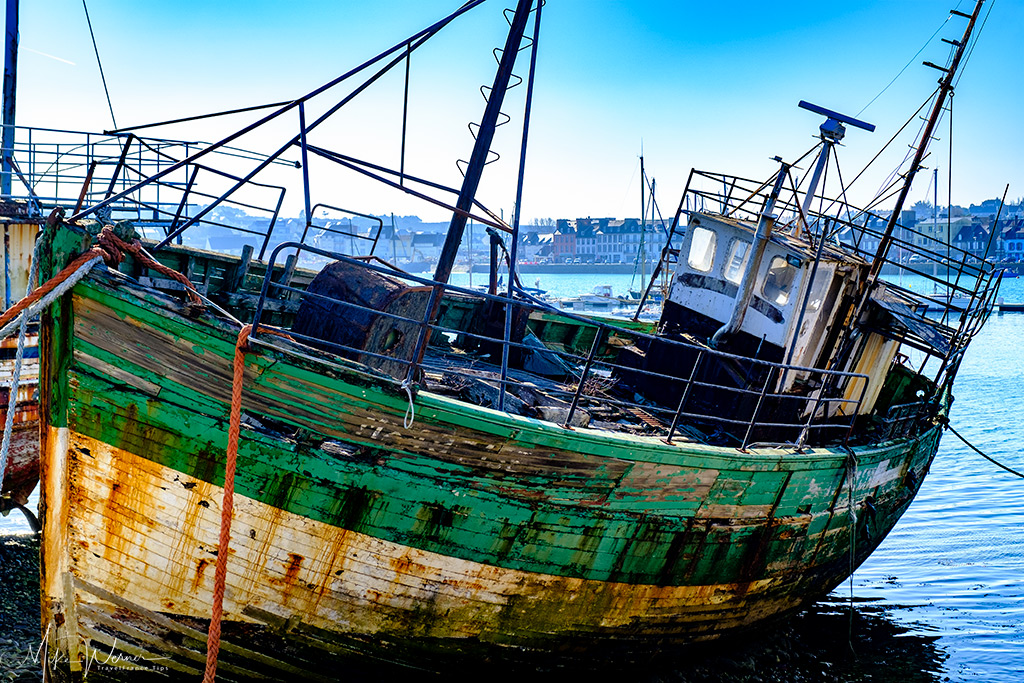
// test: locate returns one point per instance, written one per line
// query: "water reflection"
(827, 642)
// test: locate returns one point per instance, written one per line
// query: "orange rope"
(227, 506)
(12, 312)
(111, 248)
(109, 240)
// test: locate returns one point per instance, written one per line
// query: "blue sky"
(697, 84)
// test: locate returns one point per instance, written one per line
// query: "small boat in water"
(600, 300)
(390, 469)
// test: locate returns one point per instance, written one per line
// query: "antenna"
(833, 128)
(842, 118)
(832, 132)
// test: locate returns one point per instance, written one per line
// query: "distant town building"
(605, 240)
(941, 230)
(1011, 239)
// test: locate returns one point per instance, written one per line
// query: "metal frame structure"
(590, 366)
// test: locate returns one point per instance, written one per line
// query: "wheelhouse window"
(739, 252)
(778, 281)
(702, 249)
(819, 289)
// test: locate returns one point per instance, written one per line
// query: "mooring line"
(227, 505)
(978, 451)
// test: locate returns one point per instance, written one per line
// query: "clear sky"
(712, 85)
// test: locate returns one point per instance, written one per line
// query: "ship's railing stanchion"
(120, 165)
(598, 340)
(757, 408)
(303, 149)
(682, 399)
(181, 205)
(352, 234)
(802, 439)
(421, 339)
(856, 411)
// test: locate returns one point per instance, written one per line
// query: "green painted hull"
(663, 544)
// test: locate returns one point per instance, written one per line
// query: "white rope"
(12, 394)
(55, 294)
(410, 412)
(22, 322)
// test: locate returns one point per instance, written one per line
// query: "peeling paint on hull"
(471, 535)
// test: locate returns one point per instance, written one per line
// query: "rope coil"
(114, 247)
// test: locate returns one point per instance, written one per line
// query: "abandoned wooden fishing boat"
(431, 476)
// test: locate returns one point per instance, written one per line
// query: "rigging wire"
(99, 63)
(911, 149)
(886, 145)
(967, 57)
(907, 66)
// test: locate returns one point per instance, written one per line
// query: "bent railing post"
(183, 204)
(270, 228)
(684, 397)
(598, 339)
(757, 409)
(120, 164)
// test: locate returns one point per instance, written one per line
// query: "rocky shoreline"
(19, 608)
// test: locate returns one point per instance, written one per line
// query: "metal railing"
(761, 411)
(72, 169)
(351, 233)
(960, 285)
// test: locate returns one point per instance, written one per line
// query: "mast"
(10, 87)
(945, 87)
(643, 222)
(483, 143)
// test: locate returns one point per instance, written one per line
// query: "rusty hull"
(471, 536)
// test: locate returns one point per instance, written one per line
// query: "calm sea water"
(944, 594)
(954, 566)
